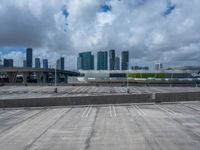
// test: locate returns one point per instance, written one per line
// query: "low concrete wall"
(104, 99)
(175, 97)
(84, 100)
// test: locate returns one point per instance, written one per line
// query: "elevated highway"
(41, 75)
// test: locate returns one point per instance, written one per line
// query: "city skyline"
(61, 63)
(153, 31)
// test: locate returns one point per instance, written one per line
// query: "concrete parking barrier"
(102, 99)
(175, 97)
(83, 100)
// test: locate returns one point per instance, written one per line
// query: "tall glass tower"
(117, 63)
(45, 63)
(62, 63)
(37, 63)
(102, 60)
(112, 59)
(85, 61)
(125, 60)
(29, 57)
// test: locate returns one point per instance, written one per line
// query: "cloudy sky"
(166, 31)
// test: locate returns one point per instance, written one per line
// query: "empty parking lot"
(14, 92)
(131, 126)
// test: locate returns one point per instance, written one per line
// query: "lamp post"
(171, 79)
(127, 83)
(55, 86)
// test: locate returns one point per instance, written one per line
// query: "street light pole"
(127, 84)
(55, 89)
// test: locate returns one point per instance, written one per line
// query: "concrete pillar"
(12, 76)
(39, 77)
(58, 76)
(25, 75)
(45, 77)
(66, 78)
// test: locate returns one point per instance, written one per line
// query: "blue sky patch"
(8, 50)
(65, 12)
(169, 10)
(105, 8)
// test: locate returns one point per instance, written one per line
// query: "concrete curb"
(104, 99)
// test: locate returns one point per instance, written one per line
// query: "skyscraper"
(29, 57)
(62, 63)
(85, 61)
(92, 62)
(125, 60)
(79, 62)
(58, 64)
(117, 63)
(24, 63)
(8, 62)
(112, 59)
(37, 63)
(158, 66)
(1, 62)
(45, 63)
(102, 60)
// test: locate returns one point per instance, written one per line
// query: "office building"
(8, 62)
(117, 63)
(58, 64)
(102, 60)
(92, 62)
(37, 63)
(139, 68)
(24, 63)
(1, 63)
(29, 57)
(125, 60)
(85, 61)
(111, 59)
(158, 66)
(62, 63)
(79, 62)
(45, 63)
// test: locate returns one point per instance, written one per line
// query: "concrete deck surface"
(15, 92)
(105, 127)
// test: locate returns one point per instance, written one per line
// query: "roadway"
(106, 127)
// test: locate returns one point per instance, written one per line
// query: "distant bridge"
(39, 75)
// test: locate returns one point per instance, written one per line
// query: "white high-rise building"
(158, 66)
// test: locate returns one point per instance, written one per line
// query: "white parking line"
(158, 89)
(136, 90)
(171, 112)
(114, 110)
(191, 107)
(110, 108)
(88, 112)
(138, 110)
(80, 89)
(85, 111)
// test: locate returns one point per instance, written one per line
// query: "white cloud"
(18, 57)
(137, 25)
